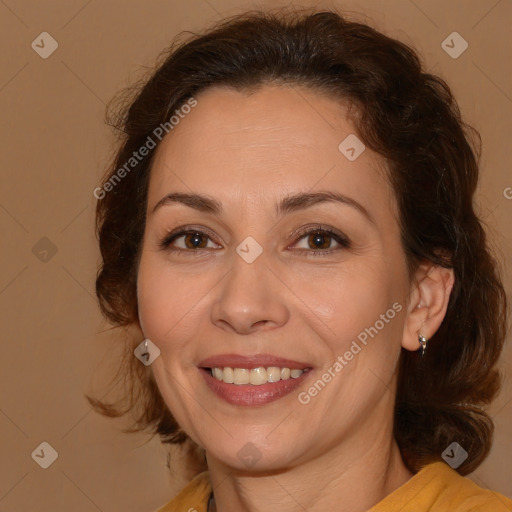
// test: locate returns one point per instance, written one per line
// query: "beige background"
(55, 346)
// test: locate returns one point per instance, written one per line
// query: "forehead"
(280, 139)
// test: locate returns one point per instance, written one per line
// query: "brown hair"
(407, 116)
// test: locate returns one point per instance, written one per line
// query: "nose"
(250, 298)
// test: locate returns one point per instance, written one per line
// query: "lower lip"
(249, 395)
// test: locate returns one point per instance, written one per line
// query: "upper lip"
(252, 361)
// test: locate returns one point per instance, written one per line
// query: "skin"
(248, 151)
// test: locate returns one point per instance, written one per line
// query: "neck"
(351, 477)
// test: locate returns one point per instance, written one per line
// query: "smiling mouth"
(261, 391)
(255, 376)
(253, 379)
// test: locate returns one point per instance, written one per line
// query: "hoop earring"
(423, 342)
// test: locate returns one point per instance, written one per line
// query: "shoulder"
(439, 488)
(464, 494)
(193, 497)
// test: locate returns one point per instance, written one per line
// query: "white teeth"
(258, 376)
(228, 375)
(240, 376)
(285, 373)
(273, 374)
(255, 376)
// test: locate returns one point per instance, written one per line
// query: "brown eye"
(195, 240)
(188, 240)
(319, 240)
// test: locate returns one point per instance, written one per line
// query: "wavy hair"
(412, 120)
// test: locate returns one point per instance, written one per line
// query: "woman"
(289, 222)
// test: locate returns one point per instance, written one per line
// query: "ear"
(429, 296)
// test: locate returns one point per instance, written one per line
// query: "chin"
(245, 456)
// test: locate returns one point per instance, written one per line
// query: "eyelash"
(319, 229)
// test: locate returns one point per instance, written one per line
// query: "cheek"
(355, 299)
(366, 325)
(151, 295)
(170, 303)
(159, 302)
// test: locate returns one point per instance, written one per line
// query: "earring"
(423, 342)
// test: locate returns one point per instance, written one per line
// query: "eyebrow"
(288, 204)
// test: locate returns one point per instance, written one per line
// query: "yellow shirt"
(435, 488)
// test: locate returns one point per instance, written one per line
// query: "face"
(257, 267)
